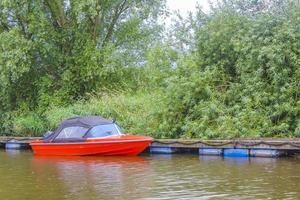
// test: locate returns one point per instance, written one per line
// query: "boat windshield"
(72, 132)
(103, 131)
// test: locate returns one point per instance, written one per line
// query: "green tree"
(57, 51)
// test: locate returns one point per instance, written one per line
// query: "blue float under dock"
(236, 152)
(15, 144)
(211, 151)
(163, 150)
(266, 153)
(226, 152)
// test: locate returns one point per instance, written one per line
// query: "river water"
(24, 176)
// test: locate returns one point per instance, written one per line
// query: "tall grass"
(138, 113)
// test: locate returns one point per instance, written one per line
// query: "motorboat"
(89, 135)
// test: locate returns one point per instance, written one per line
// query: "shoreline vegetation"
(231, 73)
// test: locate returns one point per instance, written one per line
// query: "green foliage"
(233, 72)
(55, 52)
(159, 66)
(138, 114)
(77, 47)
(243, 79)
(29, 125)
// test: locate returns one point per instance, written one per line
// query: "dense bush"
(243, 79)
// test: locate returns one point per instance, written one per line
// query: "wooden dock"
(265, 147)
(232, 148)
(282, 144)
(16, 142)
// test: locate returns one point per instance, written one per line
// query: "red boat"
(90, 135)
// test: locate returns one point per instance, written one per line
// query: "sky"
(184, 6)
(187, 5)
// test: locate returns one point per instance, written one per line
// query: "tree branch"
(118, 11)
(4, 26)
(56, 8)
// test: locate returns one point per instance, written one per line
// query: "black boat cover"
(84, 121)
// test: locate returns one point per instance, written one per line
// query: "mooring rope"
(193, 143)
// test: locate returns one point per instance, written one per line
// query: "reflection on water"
(24, 176)
(101, 177)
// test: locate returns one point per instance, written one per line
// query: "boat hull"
(110, 146)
